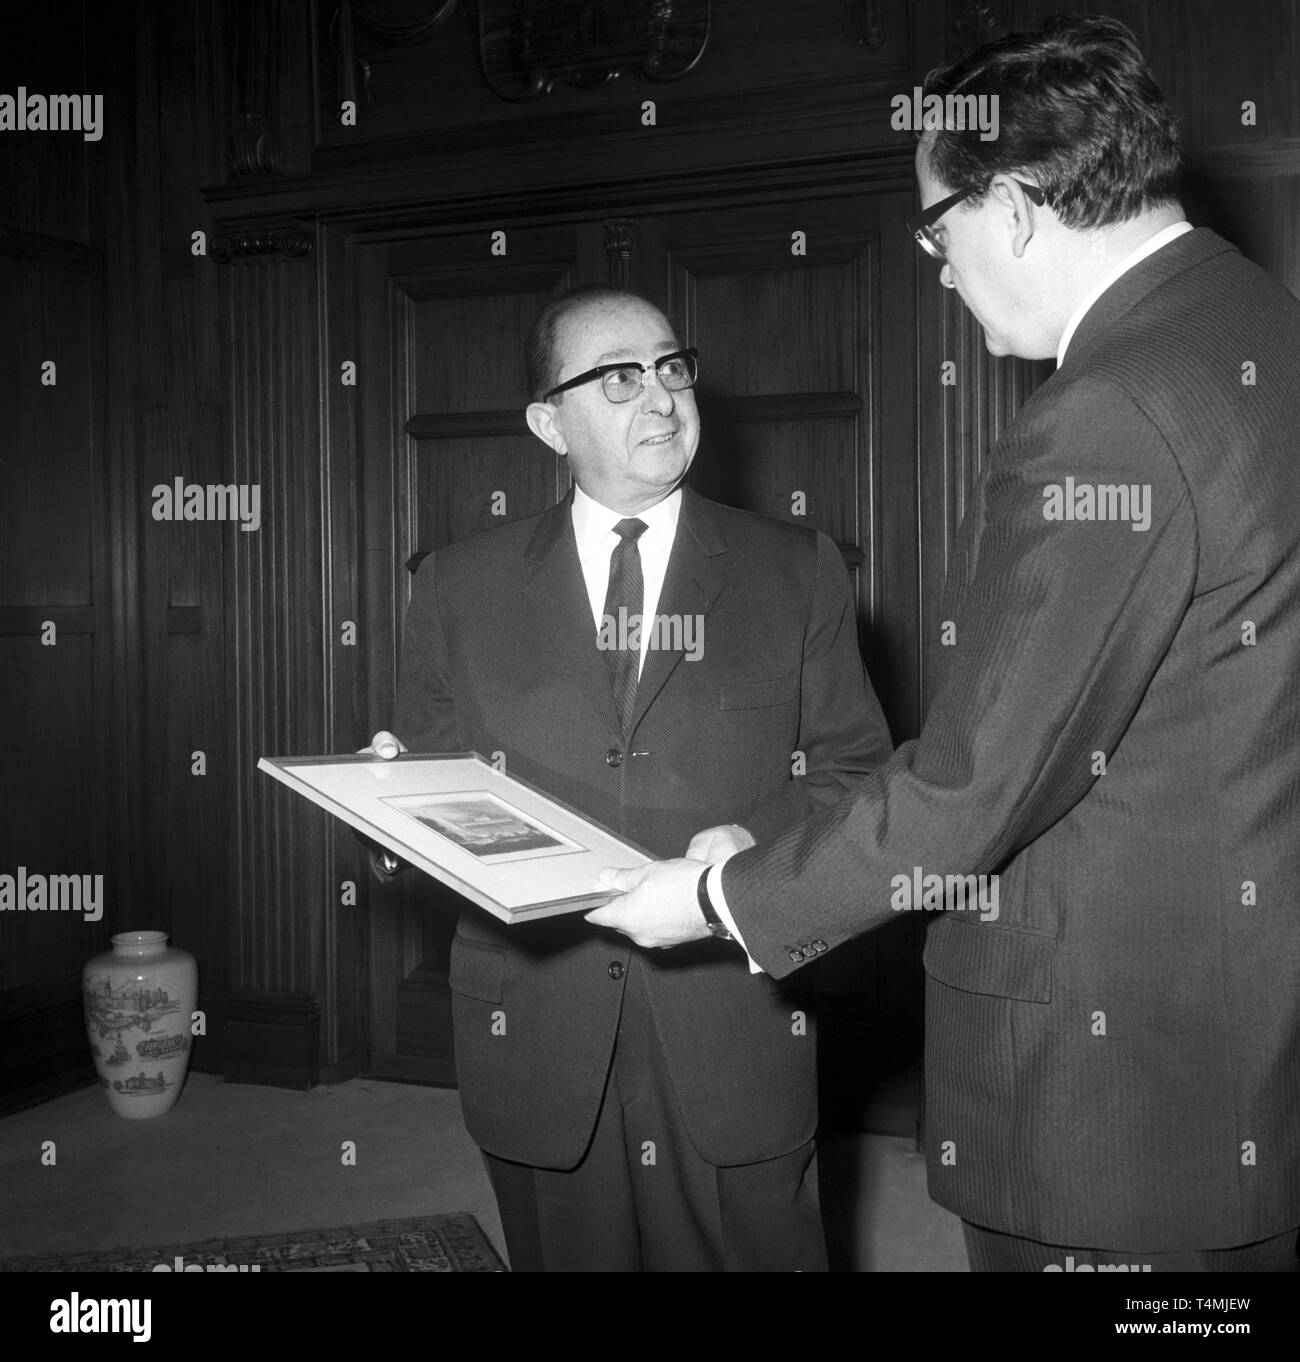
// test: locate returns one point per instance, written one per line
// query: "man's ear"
(1009, 196)
(543, 420)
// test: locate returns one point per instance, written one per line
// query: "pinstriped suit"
(1114, 1061)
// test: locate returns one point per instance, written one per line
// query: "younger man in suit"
(1113, 1042)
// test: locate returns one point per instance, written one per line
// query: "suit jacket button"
(613, 757)
(796, 955)
(615, 970)
(819, 946)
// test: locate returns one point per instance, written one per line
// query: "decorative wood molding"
(788, 406)
(393, 31)
(414, 185)
(1262, 160)
(260, 244)
(863, 23)
(527, 49)
(460, 425)
(18, 621)
(402, 23)
(977, 25)
(619, 246)
(255, 29)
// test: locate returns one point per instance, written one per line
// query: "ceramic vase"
(139, 999)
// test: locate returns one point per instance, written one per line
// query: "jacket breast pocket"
(476, 970)
(779, 690)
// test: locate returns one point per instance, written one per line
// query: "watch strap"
(712, 921)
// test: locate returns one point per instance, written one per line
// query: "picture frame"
(500, 841)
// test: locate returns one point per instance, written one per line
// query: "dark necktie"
(623, 600)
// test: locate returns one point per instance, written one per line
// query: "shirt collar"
(1149, 247)
(594, 523)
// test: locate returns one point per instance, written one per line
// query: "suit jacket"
(1115, 1060)
(500, 655)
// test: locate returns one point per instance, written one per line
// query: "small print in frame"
(485, 826)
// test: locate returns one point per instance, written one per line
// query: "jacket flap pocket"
(779, 690)
(476, 971)
(994, 960)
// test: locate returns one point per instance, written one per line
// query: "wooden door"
(803, 311)
(445, 454)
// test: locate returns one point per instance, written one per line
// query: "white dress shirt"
(1149, 247)
(593, 527)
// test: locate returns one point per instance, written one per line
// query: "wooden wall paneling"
(45, 176)
(808, 365)
(185, 882)
(362, 299)
(1250, 194)
(282, 642)
(769, 133)
(339, 931)
(443, 429)
(817, 341)
(56, 561)
(1207, 59)
(960, 423)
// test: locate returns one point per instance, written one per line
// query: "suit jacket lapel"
(558, 596)
(691, 585)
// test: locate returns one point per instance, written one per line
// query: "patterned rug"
(429, 1243)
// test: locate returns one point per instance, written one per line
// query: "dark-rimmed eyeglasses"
(921, 227)
(623, 381)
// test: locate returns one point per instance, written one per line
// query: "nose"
(655, 396)
(945, 276)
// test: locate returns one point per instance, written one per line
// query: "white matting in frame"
(496, 839)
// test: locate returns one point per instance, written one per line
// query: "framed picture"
(494, 838)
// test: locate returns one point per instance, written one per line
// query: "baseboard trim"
(272, 1039)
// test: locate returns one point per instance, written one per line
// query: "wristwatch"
(712, 921)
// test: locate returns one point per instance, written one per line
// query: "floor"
(233, 1159)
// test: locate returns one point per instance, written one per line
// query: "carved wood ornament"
(527, 48)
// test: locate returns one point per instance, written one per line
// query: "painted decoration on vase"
(138, 999)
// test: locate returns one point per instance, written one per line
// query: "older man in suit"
(1113, 1043)
(639, 1112)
